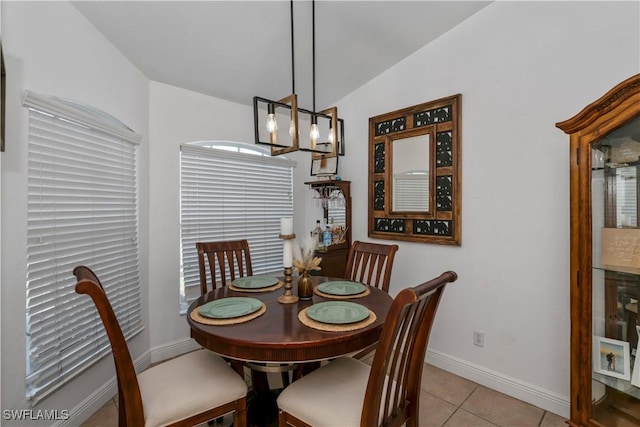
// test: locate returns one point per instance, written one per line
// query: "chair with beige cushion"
(348, 392)
(184, 391)
(371, 263)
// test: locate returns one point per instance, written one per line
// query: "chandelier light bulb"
(292, 128)
(330, 133)
(314, 132)
(272, 125)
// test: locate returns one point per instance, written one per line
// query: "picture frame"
(324, 166)
(611, 357)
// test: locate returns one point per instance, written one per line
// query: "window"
(231, 191)
(82, 209)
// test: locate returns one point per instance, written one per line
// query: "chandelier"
(285, 127)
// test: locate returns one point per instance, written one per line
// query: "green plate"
(254, 282)
(342, 287)
(227, 308)
(337, 312)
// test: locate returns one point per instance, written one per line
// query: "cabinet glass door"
(615, 175)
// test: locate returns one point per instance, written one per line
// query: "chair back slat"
(393, 390)
(371, 264)
(226, 261)
(129, 398)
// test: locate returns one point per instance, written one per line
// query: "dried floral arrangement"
(303, 259)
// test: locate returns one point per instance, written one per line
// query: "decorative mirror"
(332, 200)
(414, 180)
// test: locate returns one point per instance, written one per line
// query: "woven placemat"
(196, 316)
(329, 327)
(331, 296)
(267, 289)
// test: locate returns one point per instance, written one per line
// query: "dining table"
(278, 336)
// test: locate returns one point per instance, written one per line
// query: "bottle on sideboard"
(326, 237)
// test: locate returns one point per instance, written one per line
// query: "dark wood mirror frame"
(441, 224)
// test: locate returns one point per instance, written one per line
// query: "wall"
(51, 49)
(520, 67)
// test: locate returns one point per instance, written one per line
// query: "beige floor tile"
(107, 416)
(446, 386)
(434, 412)
(501, 409)
(553, 420)
(462, 418)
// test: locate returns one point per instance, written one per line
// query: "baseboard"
(108, 390)
(173, 349)
(529, 393)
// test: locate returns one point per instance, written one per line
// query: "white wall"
(520, 67)
(51, 49)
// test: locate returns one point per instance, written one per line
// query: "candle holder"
(287, 297)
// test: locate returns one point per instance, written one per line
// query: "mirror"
(332, 205)
(411, 156)
(414, 173)
(336, 209)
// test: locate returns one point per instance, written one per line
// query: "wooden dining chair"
(348, 392)
(185, 391)
(371, 263)
(230, 259)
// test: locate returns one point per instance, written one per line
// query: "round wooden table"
(278, 336)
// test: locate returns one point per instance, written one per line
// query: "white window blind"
(232, 195)
(82, 209)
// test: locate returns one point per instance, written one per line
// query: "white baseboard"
(173, 349)
(108, 390)
(529, 393)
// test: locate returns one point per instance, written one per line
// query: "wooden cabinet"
(334, 262)
(335, 198)
(605, 258)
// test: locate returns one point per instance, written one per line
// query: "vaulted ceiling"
(235, 50)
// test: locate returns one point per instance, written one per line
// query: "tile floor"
(447, 401)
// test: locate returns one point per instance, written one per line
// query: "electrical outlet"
(478, 338)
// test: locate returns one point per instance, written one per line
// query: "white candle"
(286, 226)
(287, 254)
